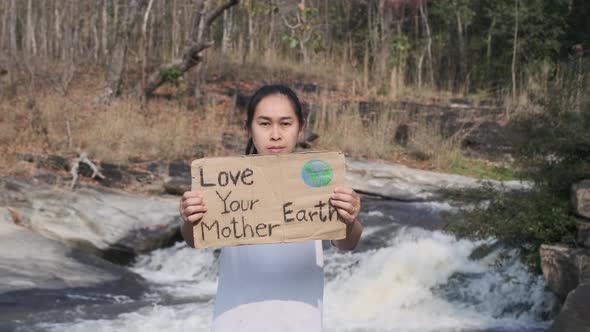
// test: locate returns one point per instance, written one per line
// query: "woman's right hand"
(192, 208)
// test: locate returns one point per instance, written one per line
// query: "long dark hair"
(266, 91)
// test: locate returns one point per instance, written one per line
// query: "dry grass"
(67, 125)
(427, 141)
(342, 127)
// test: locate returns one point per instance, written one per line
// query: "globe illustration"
(317, 173)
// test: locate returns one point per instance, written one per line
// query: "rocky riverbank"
(567, 270)
(48, 230)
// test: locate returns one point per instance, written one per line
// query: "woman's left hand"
(347, 203)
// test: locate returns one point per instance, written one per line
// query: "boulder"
(559, 270)
(492, 138)
(564, 268)
(581, 198)
(31, 261)
(575, 313)
(54, 162)
(406, 184)
(179, 168)
(92, 218)
(177, 185)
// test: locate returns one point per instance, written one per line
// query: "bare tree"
(119, 53)
(192, 56)
(428, 47)
(514, 49)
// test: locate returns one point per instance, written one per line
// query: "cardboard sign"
(268, 198)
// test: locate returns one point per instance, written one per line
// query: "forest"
(382, 47)
(144, 66)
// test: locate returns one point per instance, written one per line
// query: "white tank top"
(270, 287)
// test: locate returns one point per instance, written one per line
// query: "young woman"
(273, 287)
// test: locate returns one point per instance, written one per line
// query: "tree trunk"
(104, 30)
(57, 41)
(119, 53)
(424, 15)
(116, 22)
(227, 28)
(193, 55)
(44, 28)
(419, 69)
(31, 42)
(271, 31)
(462, 56)
(4, 38)
(95, 38)
(366, 68)
(489, 43)
(144, 42)
(12, 27)
(514, 49)
(174, 40)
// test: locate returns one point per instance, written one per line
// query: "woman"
(273, 287)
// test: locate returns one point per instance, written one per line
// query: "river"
(407, 275)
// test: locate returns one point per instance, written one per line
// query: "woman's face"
(275, 127)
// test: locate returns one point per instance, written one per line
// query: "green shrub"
(171, 75)
(554, 155)
(521, 220)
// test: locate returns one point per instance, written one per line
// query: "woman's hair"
(265, 91)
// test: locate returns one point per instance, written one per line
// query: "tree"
(118, 56)
(192, 56)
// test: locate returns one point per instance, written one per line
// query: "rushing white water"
(421, 281)
(406, 287)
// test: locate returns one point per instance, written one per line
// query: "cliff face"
(567, 270)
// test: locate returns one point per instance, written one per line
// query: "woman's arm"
(348, 204)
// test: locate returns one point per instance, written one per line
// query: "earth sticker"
(317, 173)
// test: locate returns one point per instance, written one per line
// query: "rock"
(113, 172)
(558, 269)
(38, 275)
(90, 218)
(158, 168)
(492, 138)
(575, 313)
(583, 237)
(31, 261)
(200, 150)
(564, 268)
(54, 162)
(46, 177)
(489, 103)
(401, 135)
(242, 100)
(460, 102)
(179, 168)
(177, 185)
(406, 184)
(141, 177)
(581, 198)
(142, 240)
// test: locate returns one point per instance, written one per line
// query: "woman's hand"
(192, 208)
(347, 203)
